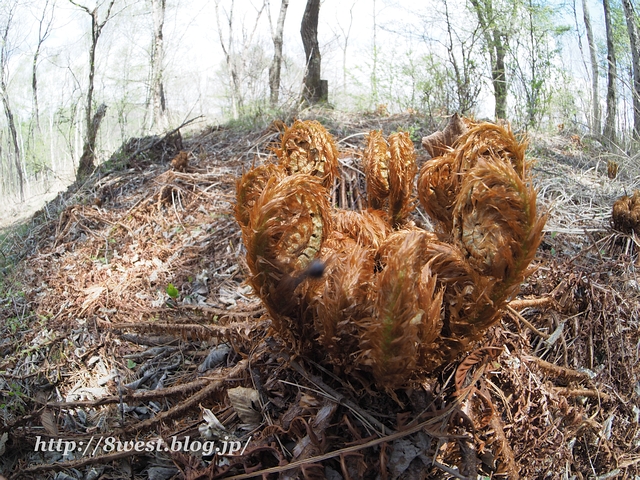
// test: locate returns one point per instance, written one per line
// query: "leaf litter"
(96, 347)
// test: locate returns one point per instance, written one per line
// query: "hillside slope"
(128, 317)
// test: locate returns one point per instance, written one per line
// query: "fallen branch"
(557, 370)
(191, 402)
(530, 302)
(582, 392)
(527, 323)
(156, 140)
(355, 448)
(139, 396)
(173, 412)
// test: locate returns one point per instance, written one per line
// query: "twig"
(159, 139)
(141, 396)
(557, 370)
(582, 392)
(102, 459)
(190, 402)
(531, 302)
(355, 448)
(341, 399)
(526, 322)
(178, 409)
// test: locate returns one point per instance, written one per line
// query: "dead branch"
(139, 396)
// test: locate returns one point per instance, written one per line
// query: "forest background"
(79, 78)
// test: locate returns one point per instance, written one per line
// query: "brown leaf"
(48, 420)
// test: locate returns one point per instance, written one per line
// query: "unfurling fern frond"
(375, 163)
(391, 340)
(249, 187)
(402, 173)
(307, 148)
(394, 301)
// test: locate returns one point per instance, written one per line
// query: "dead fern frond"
(438, 143)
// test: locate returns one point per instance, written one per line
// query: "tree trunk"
(496, 41)
(92, 123)
(4, 60)
(314, 88)
(14, 138)
(236, 93)
(596, 126)
(634, 41)
(44, 29)
(610, 122)
(86, 165)
(276, 63)
(158, 103)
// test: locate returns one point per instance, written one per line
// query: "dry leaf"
(49, 423)
(245, 401)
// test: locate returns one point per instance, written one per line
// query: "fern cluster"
(394, 300)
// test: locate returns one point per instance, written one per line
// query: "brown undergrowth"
(100, 345)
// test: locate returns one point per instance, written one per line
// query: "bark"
(610, 122)
(634, 42)
(14, 137)
(314, 87)
(496, 42)
(158, 102)
(276, 63)
(44, 29)
(87, 160)
(596, 126)
(86, 166)
(4, 54)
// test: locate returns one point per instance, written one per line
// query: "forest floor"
(125, 317)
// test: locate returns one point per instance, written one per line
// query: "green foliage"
(13, 399)
(172, 291)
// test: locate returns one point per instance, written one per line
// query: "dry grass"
(97, 347)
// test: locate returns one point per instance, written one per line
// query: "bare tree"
(87, 160)
(610, 122)
(44, 30)
(345, 35)
(596, 126)
(496, 43)
(276, 63)
(5, 53)
(315, 89)
(634, 42)
(236, 63)
(374, 69)
(467, 86)
(156, 89)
